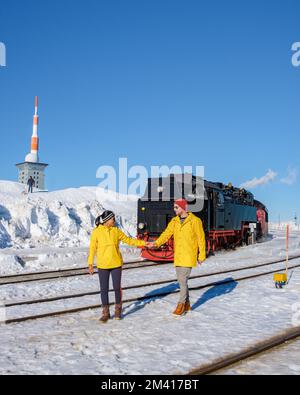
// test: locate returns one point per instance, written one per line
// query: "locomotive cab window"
(220, 199)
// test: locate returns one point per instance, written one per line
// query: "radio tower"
(33, 156)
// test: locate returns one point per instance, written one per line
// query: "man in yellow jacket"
(189, 248)
(104, 244)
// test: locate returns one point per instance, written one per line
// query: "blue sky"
(161, 82)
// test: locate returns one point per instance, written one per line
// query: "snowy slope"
(61, 218)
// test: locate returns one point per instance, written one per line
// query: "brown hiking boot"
(105, 314)
(118, 311)
(180, 309)
(187, 306)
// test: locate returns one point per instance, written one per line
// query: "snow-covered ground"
(150, 340)
(46, 231)
(50, 258)
(285, 361)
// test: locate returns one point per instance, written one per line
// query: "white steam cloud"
(255, 182)
(291, 178)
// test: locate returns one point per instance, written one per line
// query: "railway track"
(82, 271)
(255, 350)
(144, 297)
(56, 274)
(91, 293)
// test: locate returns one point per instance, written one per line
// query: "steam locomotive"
(231, 216)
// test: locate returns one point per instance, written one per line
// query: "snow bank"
(60, 219)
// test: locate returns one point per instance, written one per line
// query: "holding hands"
(150, 244)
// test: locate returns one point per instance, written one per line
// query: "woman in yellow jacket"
(105, 245)
(189, 248)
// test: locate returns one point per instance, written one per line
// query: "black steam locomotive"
(231, 216)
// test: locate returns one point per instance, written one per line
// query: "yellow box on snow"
(280, 277)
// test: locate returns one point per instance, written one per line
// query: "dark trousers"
(116, 275)
(30, 187)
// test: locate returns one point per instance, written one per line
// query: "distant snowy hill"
(61, 219)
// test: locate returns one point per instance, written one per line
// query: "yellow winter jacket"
(189, 240)
(105, 244)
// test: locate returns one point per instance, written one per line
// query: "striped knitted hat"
(104, 217)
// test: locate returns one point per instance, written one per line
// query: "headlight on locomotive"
(141, 225)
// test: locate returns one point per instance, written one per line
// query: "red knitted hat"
(182, 203)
